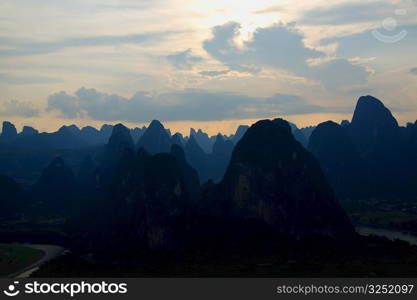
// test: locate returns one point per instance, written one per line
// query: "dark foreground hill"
(273, 189)
(272, 177)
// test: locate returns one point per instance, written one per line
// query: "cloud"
(22, 48)
(340, 72)
(17, 80)
(364, 44)
(189, 104)
(413, 70)
(66, 104)
(280, 47)
(15, 108)
(293, 105)
(223, 48)
(183, 60)
(348, 13)
(271, 9)
(213, 73)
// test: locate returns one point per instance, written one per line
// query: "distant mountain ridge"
(359, 157)
(369, 157)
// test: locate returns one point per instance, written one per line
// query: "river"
(51, 251)
(389, 234)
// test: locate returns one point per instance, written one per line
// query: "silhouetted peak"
(89, 129)
(27, 130)
(273, 178)
(328, 133)
(155, 124)
(119, 128)
(177, 139)
(219, 138)
(331, 145)
(345, 123)
(242, 128)
(222, 145)
(155, 139)
(196, 156)
(282, 124)
(371, 111)
(328, 124)
(74, 129)
(370, 100)
(202, 139)
(120, 138)
(191, 142)
(373, 127)
(106, 128)
(298, 134)
(265, 133)
(201, 133)
(240, 131)
(9, 130)
(64, 130)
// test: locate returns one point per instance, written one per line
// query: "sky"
(203, 64)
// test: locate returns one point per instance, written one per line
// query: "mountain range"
(159, 191)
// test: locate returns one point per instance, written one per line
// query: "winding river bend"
(389, 234)
(51, 251)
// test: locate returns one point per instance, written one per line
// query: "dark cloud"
(214, 73)
(22, 48)
(15, 108)
(183, 60)
(348, 13)
(339, 72)
(414, 70)
(281, 47)
(190, 104)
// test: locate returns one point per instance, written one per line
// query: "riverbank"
(20, 260)
(388, 233)
(14, 257)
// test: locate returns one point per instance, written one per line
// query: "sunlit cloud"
(230, 52)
